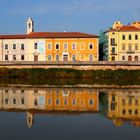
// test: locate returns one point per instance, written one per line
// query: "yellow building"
(124, 42)
(124, 106)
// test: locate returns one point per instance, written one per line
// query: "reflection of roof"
(37, 111)
(125, 28)
(49, 35)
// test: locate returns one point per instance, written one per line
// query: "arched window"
(113, 58)
(90, 57)
(136, 58)
(130, 58)
(29, 25)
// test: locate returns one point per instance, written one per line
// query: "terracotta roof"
(13, 36)
(125, 28)
(50, 35)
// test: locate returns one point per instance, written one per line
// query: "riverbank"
(68, 77)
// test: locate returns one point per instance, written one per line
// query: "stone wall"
(73, 65)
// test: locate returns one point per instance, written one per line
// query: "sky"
(89, 16)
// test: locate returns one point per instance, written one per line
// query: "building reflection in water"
(35, 101)
(120, 105)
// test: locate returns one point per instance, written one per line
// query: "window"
(91, 46)
(113, 97)
(74, 57)
(14, 46)
(73, 46)
(6, 57)
(22, 101)
(112, 41)
(49, 101)
(57, 46)
(74, 102)
(14, 101)
(22, 57)
(35, 102)
(130, 37)
(123, 58)
(91, 102)
(6, 46)
(22, 46)
(49, 57)
(57, 101)
(35, 46)
(136, 112)
(90, 57)
(136, 37)
(49, 46)
(130, 101)
(65, 102)
(123, 47)
(57, 57)
(124, 112)
(14, 57)
(65, 46)
(6, 101)
(130, 48)
(130, 111)
(136, 47)
(123, 37)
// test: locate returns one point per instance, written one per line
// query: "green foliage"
(69, 76)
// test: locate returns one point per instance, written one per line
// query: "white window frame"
(15, 46)
(48, 57)
(65, 43)
(7, 45)
(57, 44)
(34, 45)
(91, 43)
(21, 46)
(48, 46)
(74, 43)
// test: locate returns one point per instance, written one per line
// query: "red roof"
(125, 28)
(50, 35)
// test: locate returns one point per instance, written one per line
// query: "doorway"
(35, 58)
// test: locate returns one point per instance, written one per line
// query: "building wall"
(121, 54)
(40, 51)
(14, 54)
(82, 51)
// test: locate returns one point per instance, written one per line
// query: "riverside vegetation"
(69, 76)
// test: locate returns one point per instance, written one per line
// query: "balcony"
(130, 52)
(113, 52)
(113, 44)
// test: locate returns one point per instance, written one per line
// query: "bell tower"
(30, 25)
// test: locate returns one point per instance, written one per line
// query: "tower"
(30, 25)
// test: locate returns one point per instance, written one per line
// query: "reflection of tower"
(30, 119)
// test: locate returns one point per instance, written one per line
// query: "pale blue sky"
(70, 15)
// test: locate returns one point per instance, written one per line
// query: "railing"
(62, 63)
(113, 52)
(130, 52)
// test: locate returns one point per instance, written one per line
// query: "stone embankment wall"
(73, 65)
